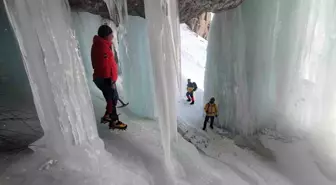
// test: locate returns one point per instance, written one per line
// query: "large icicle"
(118, 8)
(162, 17)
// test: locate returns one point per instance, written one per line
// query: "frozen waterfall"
(162, 17)
(270, 64)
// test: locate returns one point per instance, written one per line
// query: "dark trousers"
(111, 96)
(190, 96)
(212, 118)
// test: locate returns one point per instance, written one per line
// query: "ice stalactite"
(161, 16)
(269, 65)
(118, 8)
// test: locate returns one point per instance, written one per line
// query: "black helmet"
(212, 99)
(104, 31)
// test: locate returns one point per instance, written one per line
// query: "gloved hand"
(216, 116)
(114, 86)
(109, 82)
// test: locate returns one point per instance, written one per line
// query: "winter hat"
(104, 31)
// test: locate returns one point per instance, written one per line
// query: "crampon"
(119, 125)
(112, 125)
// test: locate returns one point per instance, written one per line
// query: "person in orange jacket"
(105, 74)
(211, 111)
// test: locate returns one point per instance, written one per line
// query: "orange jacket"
(211, 109)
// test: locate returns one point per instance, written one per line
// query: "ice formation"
(269, 63)
(61, 94)
(59, 89)
(138, 82)
(162, 17)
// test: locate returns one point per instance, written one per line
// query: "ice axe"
(123, 104)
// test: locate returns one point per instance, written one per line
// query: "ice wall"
(162, 17)
(86, 26)
(138, 82)
(270, 63)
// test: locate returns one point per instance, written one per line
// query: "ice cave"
(267, 64)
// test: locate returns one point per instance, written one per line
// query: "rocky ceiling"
(188, 8)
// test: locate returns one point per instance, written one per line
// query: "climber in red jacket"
(105, 74)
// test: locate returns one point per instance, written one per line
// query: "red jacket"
(103, 62)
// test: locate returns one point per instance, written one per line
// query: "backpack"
(195, 86)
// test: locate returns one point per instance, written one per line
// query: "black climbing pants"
(212, 119)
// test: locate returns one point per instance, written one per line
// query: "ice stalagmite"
(162, 17)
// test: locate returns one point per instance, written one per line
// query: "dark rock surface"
(188, 9)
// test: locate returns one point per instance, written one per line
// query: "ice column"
(162, 17)
(56, 75)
